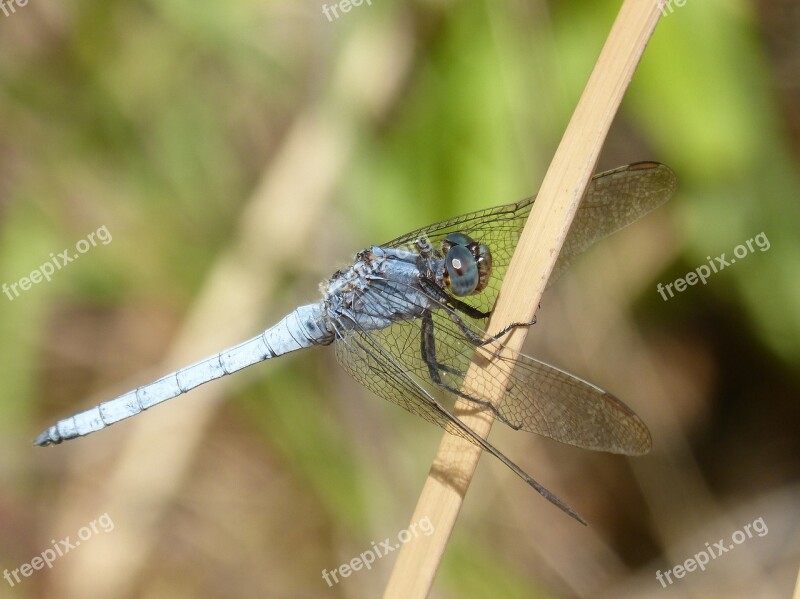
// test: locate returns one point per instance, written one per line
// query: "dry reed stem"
(559, 196)
(797, 587)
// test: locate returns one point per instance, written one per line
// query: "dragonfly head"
(468, 264)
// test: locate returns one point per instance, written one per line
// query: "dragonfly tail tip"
(44, 439)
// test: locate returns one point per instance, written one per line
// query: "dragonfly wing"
(543, 399)
(538, 398)
(378, 369)
(614, 199)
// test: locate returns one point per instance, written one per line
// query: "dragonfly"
(408, 317)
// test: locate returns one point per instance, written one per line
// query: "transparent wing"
(614, 199)
(539, 398)
(543, 399)
(375, 366)
(372, 365)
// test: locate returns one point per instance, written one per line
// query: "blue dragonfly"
(408, 317)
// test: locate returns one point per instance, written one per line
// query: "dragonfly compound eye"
(484, 259)
(455, 239)
(461, 266)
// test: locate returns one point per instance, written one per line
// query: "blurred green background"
(239, 153)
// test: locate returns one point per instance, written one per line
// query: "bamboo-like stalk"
(558, 199)
(797, 587)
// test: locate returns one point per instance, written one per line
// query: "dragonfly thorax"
(382, 286)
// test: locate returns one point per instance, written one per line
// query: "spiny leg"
(506, 330)
(442, 296)
(428, 350)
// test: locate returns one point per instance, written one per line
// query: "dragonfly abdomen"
(299, 329)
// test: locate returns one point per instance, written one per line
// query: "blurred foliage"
(157, 119)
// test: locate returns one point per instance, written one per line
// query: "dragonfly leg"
(506, 330)
(479, 341)
(438, 293)
(428, 349)
(470, 311)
